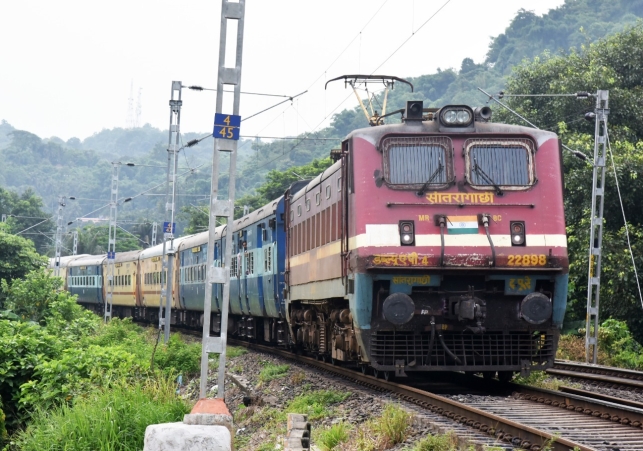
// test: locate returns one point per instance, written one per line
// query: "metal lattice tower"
(75, 248)
(59, 235)
(165, 316)
(220, 207)
(111, 244)
(596, 228)
(154, 229)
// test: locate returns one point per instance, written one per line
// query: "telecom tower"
(139, 106)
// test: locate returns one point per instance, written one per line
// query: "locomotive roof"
(375, 134)
(317, 180)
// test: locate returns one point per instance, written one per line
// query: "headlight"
(456, 116)
(463, 117)
(450, 116)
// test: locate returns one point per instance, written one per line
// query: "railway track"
(604, 376)
(528, 418)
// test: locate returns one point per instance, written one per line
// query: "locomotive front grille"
(497, 350)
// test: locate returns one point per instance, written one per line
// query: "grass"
(539, 379)
(394, 424)
(297, 378)
(107, 420)
(271, 372)
(235, 351)
(328, 439)
(383, 432)
(315, 404)
(443, 442)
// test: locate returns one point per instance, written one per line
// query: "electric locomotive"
(437, 244)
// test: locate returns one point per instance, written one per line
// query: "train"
(433, 244)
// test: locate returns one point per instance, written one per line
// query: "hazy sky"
(66, 66)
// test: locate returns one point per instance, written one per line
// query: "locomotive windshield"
(418, 162)
(494, 164)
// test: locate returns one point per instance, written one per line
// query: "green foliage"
(93, 239)
(443, 442)
(622, 349)
(3, 428)
(77, 372)
(271, 372)
(329, 439)
(23, 346)
(612, 64)
(30, 298)
(17, 256)
(538, 379)
(178, 356)
(315, 404)
(25, 214)
(111, 419)
(235, 351)
(394, 424)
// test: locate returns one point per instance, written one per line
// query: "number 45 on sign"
(226, 126)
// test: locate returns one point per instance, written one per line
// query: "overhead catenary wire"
(300, 140)
(577, 153)
(627, 229)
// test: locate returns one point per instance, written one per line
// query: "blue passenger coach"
(85, 280)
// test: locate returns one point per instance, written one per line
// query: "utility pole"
(165, 317)
(59, 235)
(111, 244)
(596, 226)
(226, 134)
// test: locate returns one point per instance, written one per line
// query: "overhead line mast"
(219, 207)
(165, 306)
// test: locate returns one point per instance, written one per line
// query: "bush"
(111, 419)
(30, 298)
(76, 373)
(23, 346)
(179, 357)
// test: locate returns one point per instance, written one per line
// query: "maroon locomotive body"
(437, 244)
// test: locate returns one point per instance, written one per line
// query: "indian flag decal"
(461, 225)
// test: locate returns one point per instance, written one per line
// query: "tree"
(18, 257)
(615, 64)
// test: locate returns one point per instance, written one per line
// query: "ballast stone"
(187, 437)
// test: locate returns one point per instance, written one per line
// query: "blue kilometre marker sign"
(226, 126)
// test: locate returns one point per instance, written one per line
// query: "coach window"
(328, 192)
(298, 210)
(339, 184)
(307, 204)
(505, 164)
(317, 198)
(419, 163)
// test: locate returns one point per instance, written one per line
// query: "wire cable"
(412, 34)
(627, 230)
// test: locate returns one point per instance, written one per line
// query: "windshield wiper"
(482, 174)
(433, 176)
